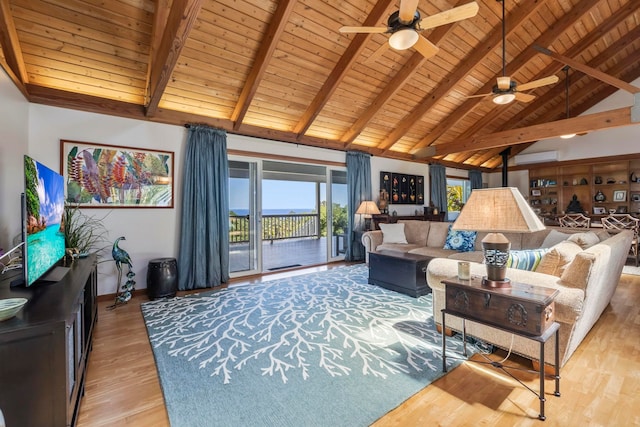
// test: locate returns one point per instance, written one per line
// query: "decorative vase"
(600, 197)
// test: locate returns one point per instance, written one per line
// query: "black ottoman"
(162, 278)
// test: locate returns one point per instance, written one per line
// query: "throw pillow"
(585, 240)
(555, 261)
(526, 259)
(577, 273)
(553, 238)
(393, 233)
(462, 241)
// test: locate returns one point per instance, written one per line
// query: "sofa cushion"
(437, 234)
(416, 231)
(393, 233)
(526, 259)
(585, 240)
(533, 240)
(555, 261)
(553, 238)
(577, 273)
(463, 241)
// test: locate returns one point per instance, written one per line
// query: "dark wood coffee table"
(405, 273)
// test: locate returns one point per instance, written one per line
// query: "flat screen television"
(42, 217)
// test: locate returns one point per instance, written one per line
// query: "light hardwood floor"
(600, 384)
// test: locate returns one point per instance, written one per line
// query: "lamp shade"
(504, 98)
(368, 208)
(497, 210)
(403, 39)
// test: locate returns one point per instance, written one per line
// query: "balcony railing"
(276, 227)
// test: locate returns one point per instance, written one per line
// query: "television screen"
(44, 208)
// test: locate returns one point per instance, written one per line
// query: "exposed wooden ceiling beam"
(10, 44)
(406, 72)
(181, 18)
(267, 47)
(341, 68)
(450, 82)
(589, 123)
(593, 72)
(546, 39)
(163, 7)
(543, 100)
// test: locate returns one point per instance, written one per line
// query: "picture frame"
(536, 193)
(599, 210)
(635, 197)
(620, 196)
(114, 176)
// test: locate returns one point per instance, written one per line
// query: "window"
(458, 190)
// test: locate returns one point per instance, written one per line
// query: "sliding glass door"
(244, 235)
(283, 215)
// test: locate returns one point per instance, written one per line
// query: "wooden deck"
(281, 254)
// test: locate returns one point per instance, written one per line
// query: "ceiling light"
(403, 39)
(504, 98)
(568, 136)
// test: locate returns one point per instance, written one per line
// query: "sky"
(281, 194)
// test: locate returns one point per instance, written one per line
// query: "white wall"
(153, 233)
(149, 233)
(13, 145)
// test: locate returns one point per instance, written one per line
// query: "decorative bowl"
(10, 307)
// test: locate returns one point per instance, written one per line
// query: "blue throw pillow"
(526, 259)
(462, 241)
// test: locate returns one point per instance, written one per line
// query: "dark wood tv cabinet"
(44, 349)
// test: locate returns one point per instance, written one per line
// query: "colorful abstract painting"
(113, 176)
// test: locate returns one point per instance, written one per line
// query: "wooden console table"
(392, 219)
(524, 310)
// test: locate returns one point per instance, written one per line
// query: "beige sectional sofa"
(585, 270)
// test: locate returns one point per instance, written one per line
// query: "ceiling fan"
(405, 26)
(506, 89)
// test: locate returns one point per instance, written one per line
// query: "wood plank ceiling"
(282, 70)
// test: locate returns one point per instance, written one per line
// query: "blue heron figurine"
(120, 256)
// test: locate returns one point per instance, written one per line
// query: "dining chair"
(577, 220)
(617, 222)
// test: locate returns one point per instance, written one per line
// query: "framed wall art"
(403, 189)
(620, 196)
(112, 176)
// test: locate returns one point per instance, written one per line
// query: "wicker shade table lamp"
(367, 209)
(497, 211)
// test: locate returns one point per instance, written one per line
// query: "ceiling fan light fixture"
(403, 39)
(568, 136)
(504, 82)
(504, 98)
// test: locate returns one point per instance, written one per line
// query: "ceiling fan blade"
(425, 47)
(363, 29)
(596, 74)
(456, 14)
(407, 10)
(537, 83)
(377, 53)
(524, 97)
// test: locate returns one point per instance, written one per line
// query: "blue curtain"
(475, 179)
(358, 190)
(204, 239)
(438, 182)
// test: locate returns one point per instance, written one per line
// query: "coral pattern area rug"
(321, 349)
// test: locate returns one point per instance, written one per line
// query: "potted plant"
(83, 234)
